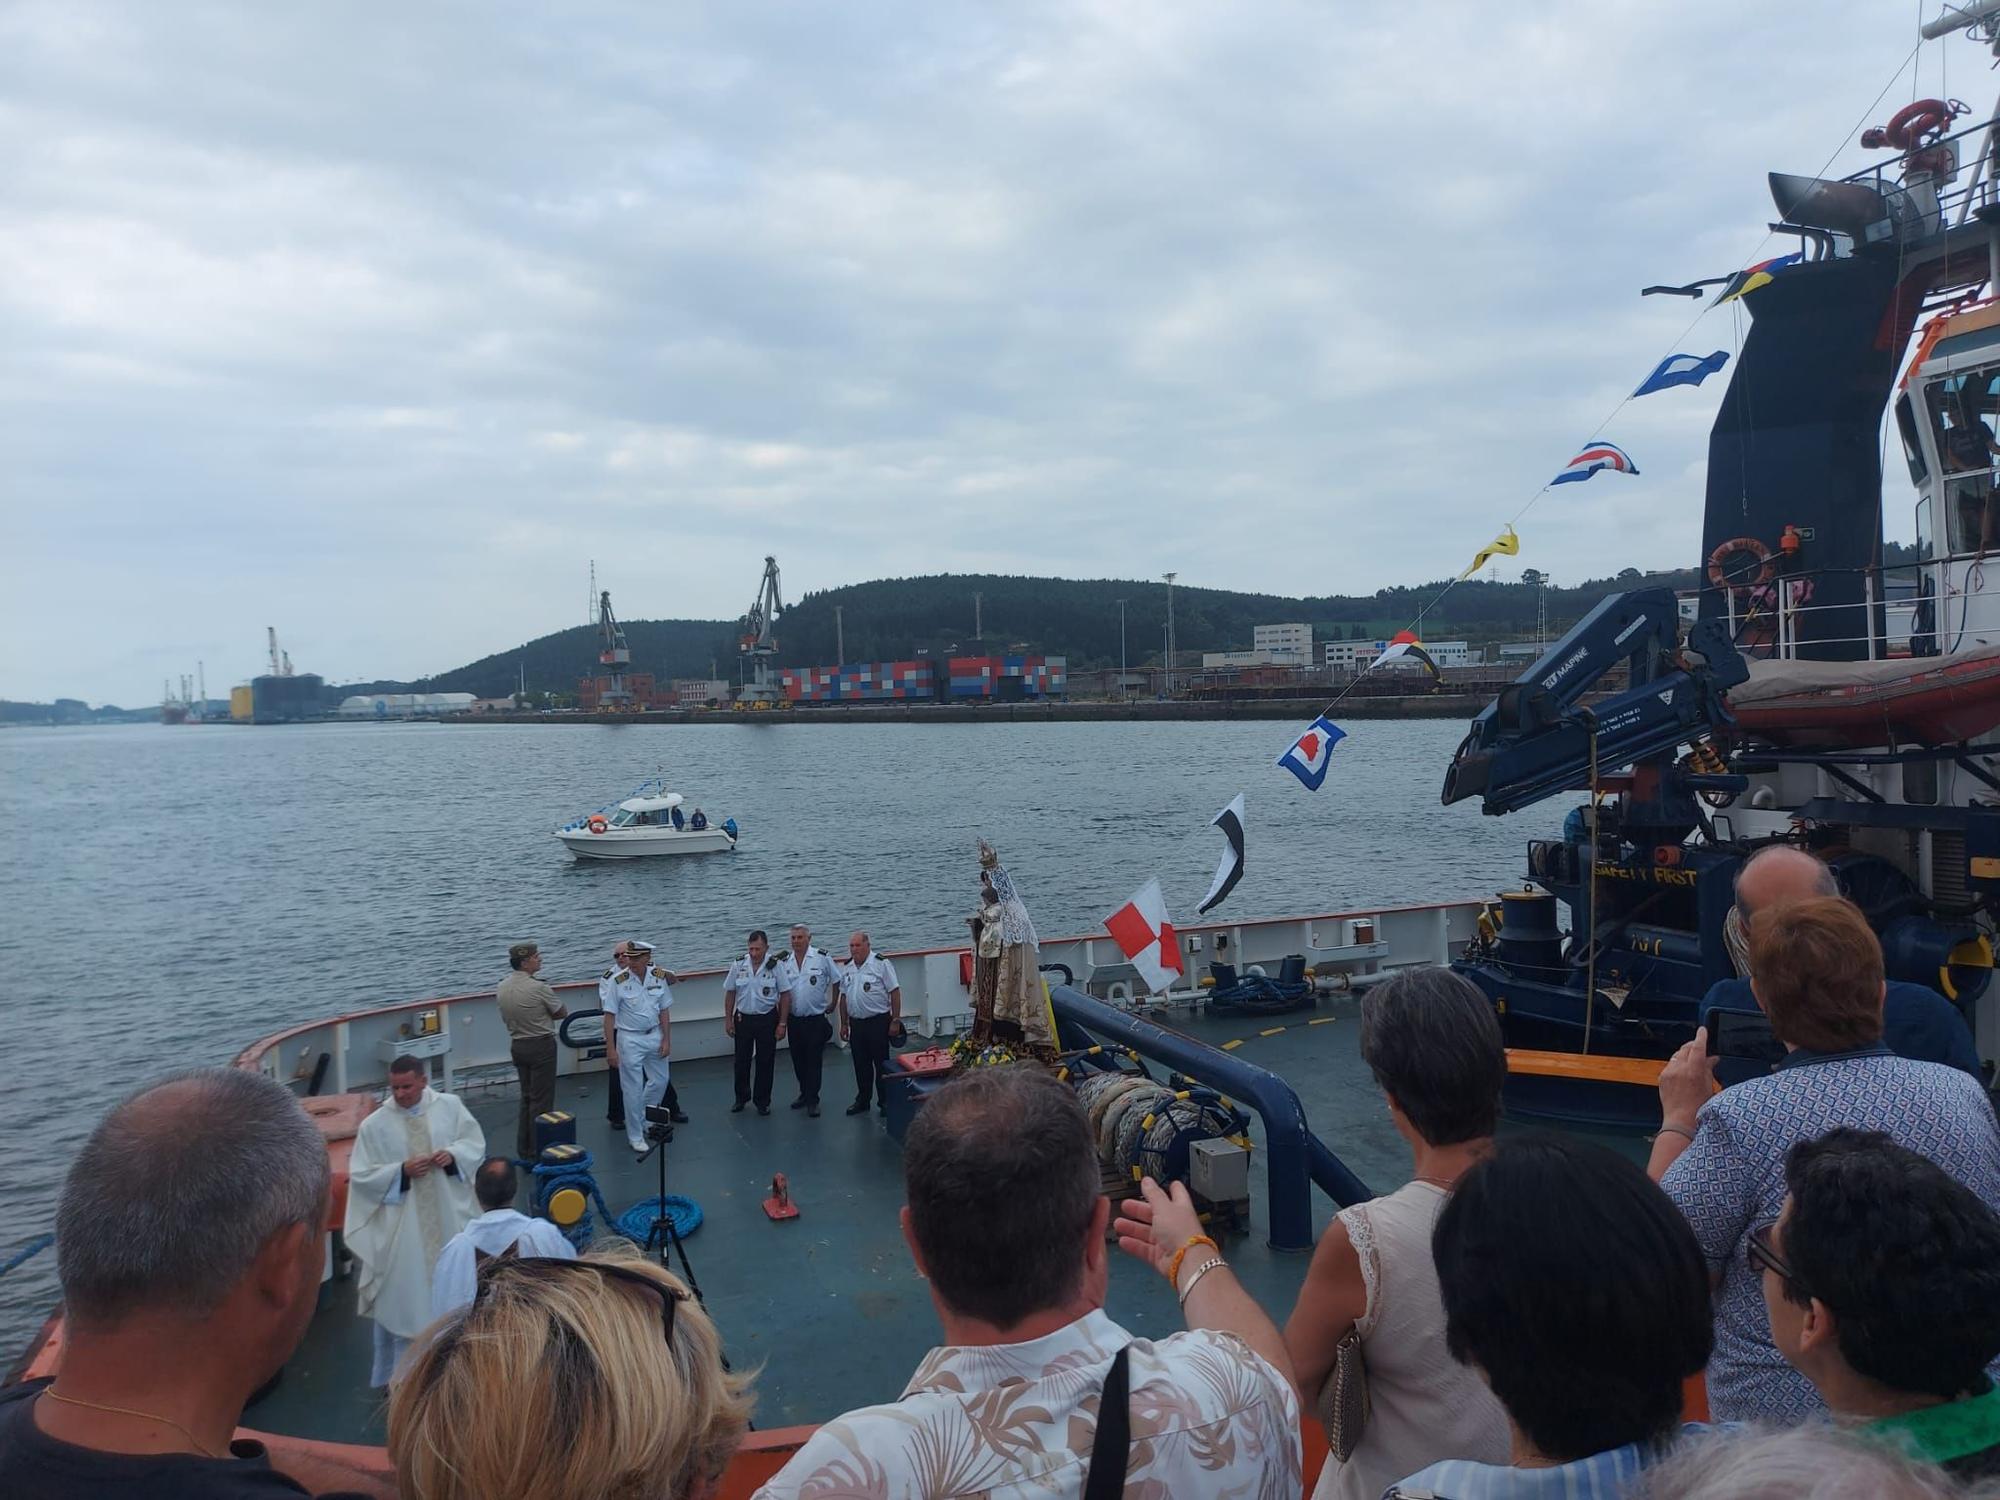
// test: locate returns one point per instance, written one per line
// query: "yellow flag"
(1506, 542)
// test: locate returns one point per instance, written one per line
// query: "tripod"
(663, 1232)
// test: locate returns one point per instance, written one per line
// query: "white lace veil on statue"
(1015, 924)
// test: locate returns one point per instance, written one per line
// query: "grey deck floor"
(827, 1306)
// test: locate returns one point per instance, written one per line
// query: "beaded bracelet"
(1195, 1280)
(1174, 1265)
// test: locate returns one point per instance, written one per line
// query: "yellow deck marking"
(1272, 1031)
(1232, 1046)
(1323, 1021)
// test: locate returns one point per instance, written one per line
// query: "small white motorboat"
(649, 822)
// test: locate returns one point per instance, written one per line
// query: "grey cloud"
(377, 324)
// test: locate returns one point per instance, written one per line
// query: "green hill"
(892, 619)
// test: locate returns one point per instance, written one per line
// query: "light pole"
(839, 639)
(1121, 649)
(1170, 632)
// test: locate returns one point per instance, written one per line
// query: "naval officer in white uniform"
(638, 1035)
(807, 978)
(750, 995)
(871, 1004)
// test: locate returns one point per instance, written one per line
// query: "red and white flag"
(1146, 937)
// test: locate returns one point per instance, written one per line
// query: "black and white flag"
(1230, 821)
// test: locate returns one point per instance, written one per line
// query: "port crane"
(613, 655)
(758, 644)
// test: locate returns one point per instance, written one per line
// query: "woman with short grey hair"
(1795, 1463)
(1433, 1043)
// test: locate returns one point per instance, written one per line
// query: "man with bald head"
(189, 1241)
(1917, 1022)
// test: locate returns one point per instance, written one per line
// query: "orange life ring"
(1766, 569)
(597, 823)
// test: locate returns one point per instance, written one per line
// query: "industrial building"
(1287, 645)
(405, 705)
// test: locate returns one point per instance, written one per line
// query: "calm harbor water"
(171, 894)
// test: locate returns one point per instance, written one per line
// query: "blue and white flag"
(1594, 457)
(1682, 369)
(1311, 752)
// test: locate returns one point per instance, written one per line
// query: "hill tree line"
(895, 619)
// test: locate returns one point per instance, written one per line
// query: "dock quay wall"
(1431, 706)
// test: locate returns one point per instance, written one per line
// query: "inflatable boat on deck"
(1932, 700)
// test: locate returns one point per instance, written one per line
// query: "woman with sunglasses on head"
(568, 1380)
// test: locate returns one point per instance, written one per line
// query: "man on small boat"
(1917, 1022)
(409, 1190)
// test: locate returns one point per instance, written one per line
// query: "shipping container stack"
(860, 682)
(1008, 676)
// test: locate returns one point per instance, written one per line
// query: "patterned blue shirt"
(1602, 1476)
(1731, 1180)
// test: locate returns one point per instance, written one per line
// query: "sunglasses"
(503, 1266)
(1761, 1257)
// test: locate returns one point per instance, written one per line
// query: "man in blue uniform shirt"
(1917, 1022)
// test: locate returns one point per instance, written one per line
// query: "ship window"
(1924, 547)
(1913, 452)
(1961, 410)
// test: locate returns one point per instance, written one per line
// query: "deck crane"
(758, 644)
(613, 655)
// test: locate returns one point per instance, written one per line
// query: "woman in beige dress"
(1431, 1039)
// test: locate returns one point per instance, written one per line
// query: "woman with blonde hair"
(591, 1379)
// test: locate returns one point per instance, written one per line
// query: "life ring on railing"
(1909, 125)
(1748, 546)
(596, 824)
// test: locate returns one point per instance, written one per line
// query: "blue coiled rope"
(27, 1253)
(1256, 995)
(637, 1221)
(552, 1178)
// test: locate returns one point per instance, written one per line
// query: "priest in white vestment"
(499, 1231)
(409, 1190)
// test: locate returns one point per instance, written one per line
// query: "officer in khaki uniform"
(529, 1010)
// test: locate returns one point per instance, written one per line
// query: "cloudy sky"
(379, 323)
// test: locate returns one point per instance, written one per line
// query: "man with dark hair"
(1816, 968)
(409, 1190)
(1006, 1222)
(1882, 1281)
(1917, 1022)
(751, 991)
(498, 1231)
(529, 1010)
(1575, 1288)
(189, 1240)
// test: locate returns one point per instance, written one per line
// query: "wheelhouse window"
(1961, 409)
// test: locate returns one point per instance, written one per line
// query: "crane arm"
(1537, 739)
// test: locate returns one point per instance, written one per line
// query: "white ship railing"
(470, 1044)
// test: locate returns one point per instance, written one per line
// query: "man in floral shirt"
(1006, 1221)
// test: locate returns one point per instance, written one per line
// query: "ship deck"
(826, 1306)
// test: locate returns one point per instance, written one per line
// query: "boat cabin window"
(1925, 547)
(1961, 409)
(1913, 450)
